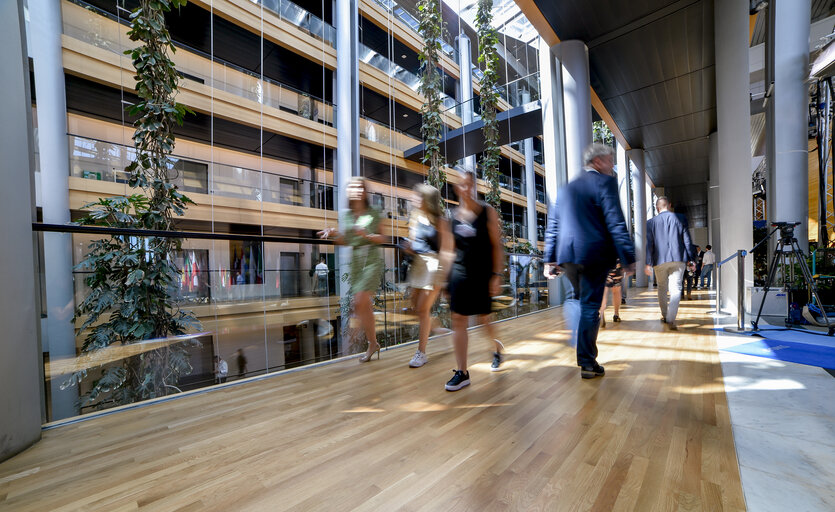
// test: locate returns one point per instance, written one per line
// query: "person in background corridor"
(613, 282)
(668, 248)
(708, 262)
(476, 274)
(586, 234)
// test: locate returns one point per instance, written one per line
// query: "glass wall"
(257, 157)
(261, 306)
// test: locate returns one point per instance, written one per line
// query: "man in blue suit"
(668, 249)
(586, 234)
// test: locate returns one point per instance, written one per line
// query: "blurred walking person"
(476, 274)
(668, 249)
(586, 234)
(360, 229)
(431, 245)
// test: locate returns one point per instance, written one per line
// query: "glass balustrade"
(292, 13)
(263, 305)
(99, 28)
(106, 161)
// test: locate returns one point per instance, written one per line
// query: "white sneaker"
(418, 360)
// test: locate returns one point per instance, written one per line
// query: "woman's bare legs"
(491, 332)
(616, 294)
(365, 312)
(425, 300)
(460, 340)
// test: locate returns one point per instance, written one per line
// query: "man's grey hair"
(596, 150)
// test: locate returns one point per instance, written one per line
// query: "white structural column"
(465, 95)
(734, 141)
(553, 140)
(53, 146)
(529, 179)
(574, 57)
(347, 97)
(787, 112)
(713, 210)
(347, 124)
(20, 364)
(623, 185)
(636, 160)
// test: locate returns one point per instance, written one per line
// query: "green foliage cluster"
(488, 59)
(430, 28)
(132, 280)
(602, 134)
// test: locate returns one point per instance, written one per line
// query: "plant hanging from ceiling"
(488, 59)
(431, 29)
(133, 279)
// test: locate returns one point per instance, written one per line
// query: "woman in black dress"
(476, 274)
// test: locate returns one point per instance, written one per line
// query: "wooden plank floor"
(653, 434)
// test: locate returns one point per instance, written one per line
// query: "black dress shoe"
(590, 372)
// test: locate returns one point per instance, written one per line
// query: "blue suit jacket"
(586, 226)
(668, 239)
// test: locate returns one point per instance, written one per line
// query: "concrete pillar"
(787, 112)
(623, 185)
(347, 96)
(636, 160)
(529, 179)
(53, 145)
(734, 140)
(465, 64)
(714, 233)
(20, 365)
(574, 58)
(347, 124)
(553, 141)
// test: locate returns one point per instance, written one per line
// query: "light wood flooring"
(653, 434)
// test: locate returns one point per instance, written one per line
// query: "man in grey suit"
(668, 248)
(586, 234)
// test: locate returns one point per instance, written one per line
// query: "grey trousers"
(669, 277)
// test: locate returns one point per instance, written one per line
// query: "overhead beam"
(641, 22)
(546, 32)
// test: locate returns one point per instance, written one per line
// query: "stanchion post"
(718, 280)
(740, 290)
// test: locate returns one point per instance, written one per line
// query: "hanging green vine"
(488, 58)
(133, 280)
(431, 29)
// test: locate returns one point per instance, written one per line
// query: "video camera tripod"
(787, 239)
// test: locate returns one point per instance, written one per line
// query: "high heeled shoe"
(370, 353)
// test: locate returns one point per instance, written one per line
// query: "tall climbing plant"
(488, 59)
(431, 29)
(132, 280)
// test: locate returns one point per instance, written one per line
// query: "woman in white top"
(430, 243)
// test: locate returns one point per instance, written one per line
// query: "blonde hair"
(431, 198)
(359, 180)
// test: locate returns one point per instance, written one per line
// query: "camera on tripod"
(786, 230)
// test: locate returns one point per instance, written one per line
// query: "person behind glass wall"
(221, 370)
(476, 274)
(360, 229)
(430, 243)
(241, 360)
(586, 234)
(322, 271)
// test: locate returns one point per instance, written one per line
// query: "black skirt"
(469, 295)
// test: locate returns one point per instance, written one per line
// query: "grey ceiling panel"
(652, 64)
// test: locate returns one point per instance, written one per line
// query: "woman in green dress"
(360, 229)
